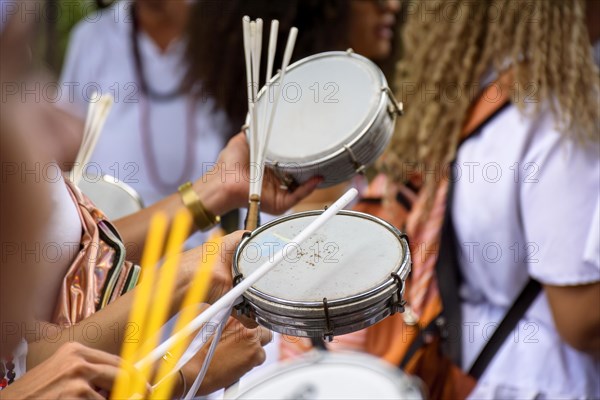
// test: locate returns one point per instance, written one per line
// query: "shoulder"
(528, 136)
(102, 25)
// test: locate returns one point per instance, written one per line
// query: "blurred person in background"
(215, 58)
(535, 218)
(215, 51)
(62, 295)
(157, 135)
(215, 55)
(74, 371)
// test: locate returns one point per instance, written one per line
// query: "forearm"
(133, 228)
(577, 316)
(104, 330)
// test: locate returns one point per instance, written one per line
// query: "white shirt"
(100, 57)
(529, 207)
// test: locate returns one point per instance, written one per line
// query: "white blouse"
(62, 241)
(100, 58)
(526, 204)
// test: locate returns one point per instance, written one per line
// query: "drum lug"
(242, 308)
(396, 107)
(358, 167)
(397, 302)
(287, 182)
(328, 335)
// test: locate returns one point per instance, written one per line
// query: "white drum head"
(330, 376)
(349, 255)
(328, 100)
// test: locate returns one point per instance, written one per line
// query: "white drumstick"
(96, 117)
(255, 145)
(270, 60)
(238, 290)
(257, 52)
(287, 56)
(222, 321)
(272, 48)
(248, 43)
(247, 55)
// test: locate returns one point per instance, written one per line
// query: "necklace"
(148, 94)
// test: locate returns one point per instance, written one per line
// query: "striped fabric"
(403, 211)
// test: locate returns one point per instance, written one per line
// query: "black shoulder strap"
(509, 322)
(447, 268)
(449, 278)
(448, 275)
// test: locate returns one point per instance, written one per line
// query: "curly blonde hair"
(450, 45)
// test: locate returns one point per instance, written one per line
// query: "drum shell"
(340, 166)
(346, 315)
(316, 327)
(362, 149)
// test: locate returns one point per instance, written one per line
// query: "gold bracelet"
(203, 218)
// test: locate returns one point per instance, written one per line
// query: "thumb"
(303, 191)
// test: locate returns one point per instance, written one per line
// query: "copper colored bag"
(99, 274)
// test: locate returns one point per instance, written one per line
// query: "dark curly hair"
(215, 52)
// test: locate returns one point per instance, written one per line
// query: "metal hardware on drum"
(398, 304)
(287, 182)
(358, 167)
(396, 107)
(328, 335)
(307, 296)
(335, 135)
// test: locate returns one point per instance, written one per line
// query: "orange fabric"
(378, 336)
(391, 338)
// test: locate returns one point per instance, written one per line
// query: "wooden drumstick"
(253, 217)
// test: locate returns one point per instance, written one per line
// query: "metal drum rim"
(382, 106)
(395, 376)
(254, 295)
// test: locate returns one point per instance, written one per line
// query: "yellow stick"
(152, 252)
(159, 311)
(195, 295)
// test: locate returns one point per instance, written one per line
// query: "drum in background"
(320, 375)
(336, 117)
(115, 198)
(346, 277)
